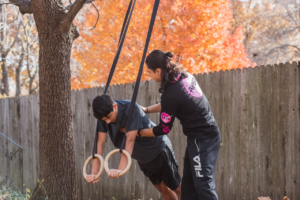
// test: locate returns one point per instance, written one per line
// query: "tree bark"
(56, 134)
(18, 73)
(56, 144)
(4, 81)
(4, 86)
(31, 89)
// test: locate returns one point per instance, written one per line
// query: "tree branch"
(24, 5)
(102, 37)
(15, 39)
(33, 89)
(291, 16)
(97, 16)
(69, 6)
(74, 9)
(6, 4)
(282, 47)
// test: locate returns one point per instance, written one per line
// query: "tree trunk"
(4, 86)
(31, 89)
(4, 82)
(18, 73)
(56, 144)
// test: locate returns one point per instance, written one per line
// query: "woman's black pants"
(199, 167)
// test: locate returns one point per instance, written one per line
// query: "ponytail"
(169, 69)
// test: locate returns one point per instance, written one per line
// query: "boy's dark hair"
(102, 106)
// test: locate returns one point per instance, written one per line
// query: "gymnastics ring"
(128, 164)
(101, 166)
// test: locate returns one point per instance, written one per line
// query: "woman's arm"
(169, 106)
(152, 109)
(167, 117)
(147, 132)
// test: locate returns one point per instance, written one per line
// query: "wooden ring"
(128, 159)
(101, 166)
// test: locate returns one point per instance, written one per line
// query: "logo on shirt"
(166, 129)
(191, 86)
(197, 167)
(165, 117)
(210, 118)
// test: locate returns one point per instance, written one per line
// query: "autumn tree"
(197, 32)
(19, 53)
(56, 33)
(8, 38)
(271, 29)
(29, 56)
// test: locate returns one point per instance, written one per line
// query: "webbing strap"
(137, 83)
(123, 144)
(128, 118)
(121, 41)
(125, 20)
(124, 138)
(123, 35)
(95, 142)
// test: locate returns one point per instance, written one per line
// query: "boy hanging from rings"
(155, 155)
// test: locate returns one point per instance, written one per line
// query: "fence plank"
(264, 132)
(244, 134)
(292, 129)
(236, 120)
(296, 121)
(258, 96)
(3, 142)
(289, 136)
(281, 137)
(274, 110)
(230, 141)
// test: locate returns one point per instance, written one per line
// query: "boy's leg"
(166, 192)
(178, 191)
(202, 156)
(163, 173)
(169, 172)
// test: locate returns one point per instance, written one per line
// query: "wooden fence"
(257, 110)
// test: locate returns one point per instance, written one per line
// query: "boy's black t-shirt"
(185, 100)
(145, 148)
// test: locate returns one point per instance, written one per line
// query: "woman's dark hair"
(102, 106)
(169, 69)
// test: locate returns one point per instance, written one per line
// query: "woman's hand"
(144, 109)
(114, 173)
(152, 109)
(91, 178)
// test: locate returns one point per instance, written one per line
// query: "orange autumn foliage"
(196, 31)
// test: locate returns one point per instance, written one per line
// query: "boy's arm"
(96, 162)
(100, 148)
(130, 140)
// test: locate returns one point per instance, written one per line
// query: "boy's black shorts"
(163, 168)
